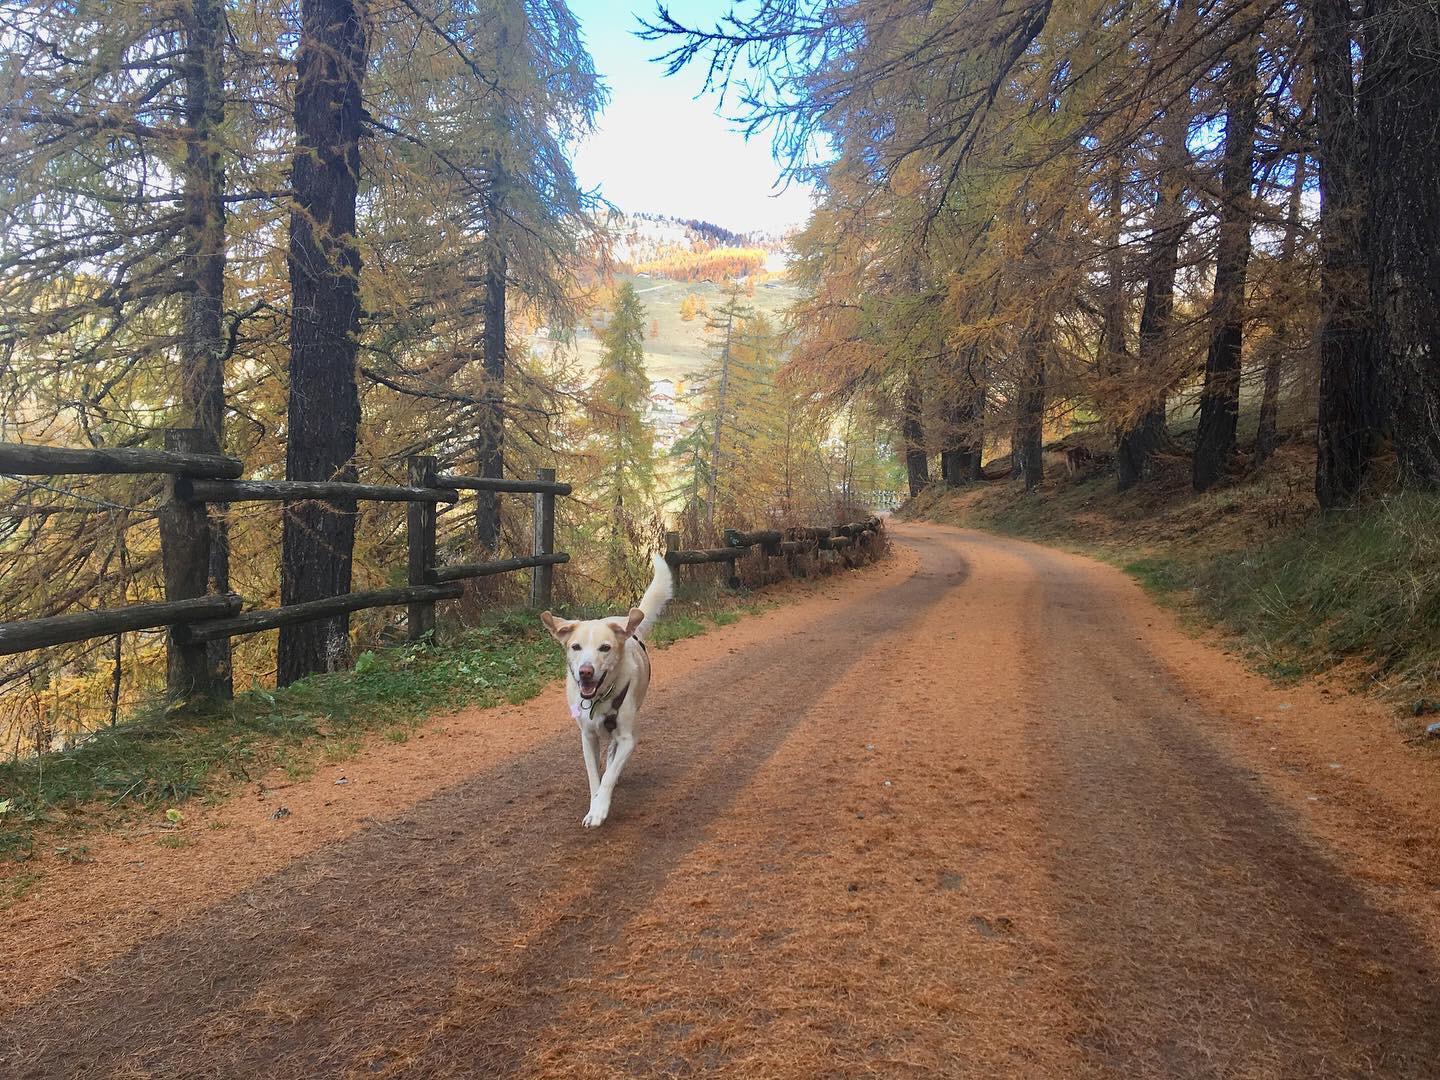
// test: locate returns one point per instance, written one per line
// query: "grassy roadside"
(160, 758)
(1355, 593)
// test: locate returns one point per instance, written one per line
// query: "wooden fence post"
(672, 543)
(420, 540)
(185, 558)
(542, 578)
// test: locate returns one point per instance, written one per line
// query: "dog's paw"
(593, 819)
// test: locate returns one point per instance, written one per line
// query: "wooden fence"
(195, 620)
(773, 543)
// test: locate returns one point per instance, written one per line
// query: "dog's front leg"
(620, 750)
(590, 746)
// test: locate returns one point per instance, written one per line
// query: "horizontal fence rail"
(766, 538)
(495, 483)
(704, 555)
(805, 539)
(18, 459)
(233, 491)
(253, 622)
(20, 637)
(196, 622)
(500, 566)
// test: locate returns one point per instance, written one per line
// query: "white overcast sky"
(661, 150)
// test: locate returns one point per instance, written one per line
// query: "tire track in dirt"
(1217, 936)
(859, 911)
(336, 962)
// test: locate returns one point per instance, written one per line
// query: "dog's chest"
(602, 715)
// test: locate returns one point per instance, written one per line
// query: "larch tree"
(430, 337)
(323, 416)
(473, 189)
(1024, 170)
(1284, 320)
(1220, 392)
(623, 438)
(736, 423)
(116, 143)
(1349, 410)
(1151, 375)
(1401, 102)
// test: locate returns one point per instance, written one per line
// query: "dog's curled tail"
(662, 588)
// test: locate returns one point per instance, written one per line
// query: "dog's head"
(593, 647)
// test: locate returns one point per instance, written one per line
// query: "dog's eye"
(604, 648)
(576, 646)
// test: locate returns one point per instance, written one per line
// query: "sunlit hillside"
(676, 348)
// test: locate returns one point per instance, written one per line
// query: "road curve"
(984, 811)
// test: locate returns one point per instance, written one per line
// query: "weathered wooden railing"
(773, 544)
(195, 620)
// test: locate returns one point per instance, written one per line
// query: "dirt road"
(983, 811)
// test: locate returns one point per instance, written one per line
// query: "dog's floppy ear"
(633, 621)
(558, 630)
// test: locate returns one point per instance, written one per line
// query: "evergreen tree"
(623, 437)
(738, 409)
(690, 458)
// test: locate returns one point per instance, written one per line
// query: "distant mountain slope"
(652, 238)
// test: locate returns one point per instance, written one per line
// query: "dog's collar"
(588, 704)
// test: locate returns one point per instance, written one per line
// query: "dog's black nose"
(586, 671)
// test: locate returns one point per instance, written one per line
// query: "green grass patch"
(673, 629)
(1159, 575)
(160, 758)
(1361, 584)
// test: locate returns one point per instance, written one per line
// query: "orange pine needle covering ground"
(980, 811)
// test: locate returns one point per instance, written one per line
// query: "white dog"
(607, 674)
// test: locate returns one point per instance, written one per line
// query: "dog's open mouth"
(588, 687)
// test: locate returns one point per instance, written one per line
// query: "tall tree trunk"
(1145, 435)
(324, 407)
(1401, 94)
(1348, 407)
(964, 413)
(1112, 359)
(972, 460)
(917, 461)
(1266, 434)
(1028, 452)
(1113, 355)
(1146, 432)
(953, 417)
(202, 344)
(490, 439)
(1220, 395)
